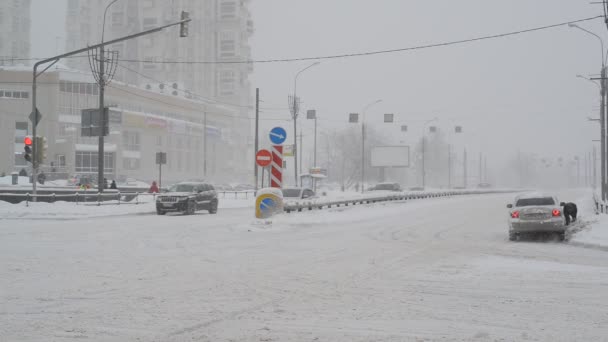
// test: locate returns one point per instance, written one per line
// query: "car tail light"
(556, 213)
(515, 214)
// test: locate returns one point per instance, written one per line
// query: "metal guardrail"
(401, 196)
(236, 194)
(93, 197)
(114, 198)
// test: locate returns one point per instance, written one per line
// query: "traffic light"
(183, 27)
(40, 149)
(27, 148)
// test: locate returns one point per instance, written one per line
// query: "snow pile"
(592, 229)
(8, 180)
(71, 210)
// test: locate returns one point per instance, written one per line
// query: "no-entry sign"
(263, 158)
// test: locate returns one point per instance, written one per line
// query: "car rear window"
(291, 192)
(525, 202)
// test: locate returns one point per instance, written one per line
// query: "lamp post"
(423, 151)
(294, 107)
(363, 141)
(102, 82)
(602, 87)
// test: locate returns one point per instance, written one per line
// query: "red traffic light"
(27, 141)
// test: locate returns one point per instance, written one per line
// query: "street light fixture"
(294, 107)
(423, 150)
(363, 142)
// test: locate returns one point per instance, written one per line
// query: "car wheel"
(213, 208)
(512, 237)
(160, 212)
(561, 236)
(191, 208)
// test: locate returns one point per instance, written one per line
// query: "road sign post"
(161, 159)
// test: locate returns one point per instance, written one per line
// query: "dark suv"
(188, 197)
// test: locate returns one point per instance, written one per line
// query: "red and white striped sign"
(276, 173)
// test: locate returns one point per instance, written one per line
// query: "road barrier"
(96, 198)
(247, 194)
(299, 206)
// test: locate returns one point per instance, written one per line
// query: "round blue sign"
(278, 135)
(267, 204)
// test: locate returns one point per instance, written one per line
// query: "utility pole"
(594, 183)
(449, 166)
(480, 168)
(465, 169)
(257, 132)
(603, 131)
(205, 144)
(52, 60)
(301, 149)
(100, 150)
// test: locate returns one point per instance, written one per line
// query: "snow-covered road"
(438, 269)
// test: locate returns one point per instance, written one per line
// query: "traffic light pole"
(55, 59)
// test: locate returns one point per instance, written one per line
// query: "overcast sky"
(507, 93)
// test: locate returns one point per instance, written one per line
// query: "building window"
(130, 163)
(150, 23)
(227, 44)
(20, 131)
(60, 159)
(159, 141)
(227, 83)
(228, 9)
(14, 94)
(86, 162)
(130, 140)
(118, 19)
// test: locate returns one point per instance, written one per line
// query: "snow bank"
(72, 211)
(591, 230)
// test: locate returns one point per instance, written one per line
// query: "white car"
(295, 194)
(535, 213)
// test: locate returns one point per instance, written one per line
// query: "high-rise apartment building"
(219, 32)
(14, 30)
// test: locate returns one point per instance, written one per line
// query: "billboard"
(390, 156)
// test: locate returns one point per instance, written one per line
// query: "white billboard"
(391, 156)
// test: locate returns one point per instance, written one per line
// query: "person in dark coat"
(570, 211)
(113, 185)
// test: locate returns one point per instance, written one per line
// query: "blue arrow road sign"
(278, 135)
(267, 204)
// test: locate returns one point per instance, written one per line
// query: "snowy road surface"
(437, 269)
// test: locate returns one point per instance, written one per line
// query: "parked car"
(188, 197)
(386, 187)
(535, 213)
(297, 194)
(417, 188)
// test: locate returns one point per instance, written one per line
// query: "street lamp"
(602, 109)
(294, 107)
(423, 150)
(363, 141)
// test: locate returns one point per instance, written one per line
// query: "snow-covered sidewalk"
(592, 229)
(73, 211)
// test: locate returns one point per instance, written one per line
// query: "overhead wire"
(377, 52)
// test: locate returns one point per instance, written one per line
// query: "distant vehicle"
(188, 197)
(417, 188)
(535, 213)
(484, 185)
(297, 193)
(244, 187)
(224, 187)
(386, 187)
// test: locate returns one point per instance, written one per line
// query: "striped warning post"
(276, 173)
